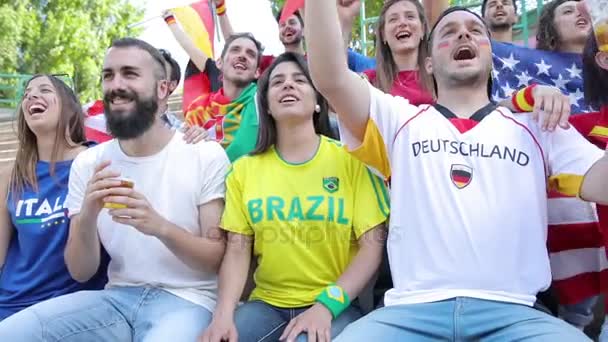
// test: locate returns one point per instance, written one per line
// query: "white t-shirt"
(468, 204)
(175, 181)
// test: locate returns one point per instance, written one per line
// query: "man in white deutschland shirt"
(467, 237)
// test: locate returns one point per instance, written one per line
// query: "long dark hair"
(595, 78)
(70, 129)
(547, 37)
(386, 68)
(267, 133)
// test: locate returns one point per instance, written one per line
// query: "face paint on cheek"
(483, 42)
(443, 45)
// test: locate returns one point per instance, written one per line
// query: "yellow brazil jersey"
(305, 218)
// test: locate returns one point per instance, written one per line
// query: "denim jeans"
(580, 314)
(257, 321)
(460, 319)
(121, 314)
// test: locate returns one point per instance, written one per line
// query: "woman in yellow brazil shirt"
(312, 214)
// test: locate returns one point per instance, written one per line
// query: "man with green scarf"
(225, 107)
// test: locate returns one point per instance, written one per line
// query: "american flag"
(516, 67)
(579, 264)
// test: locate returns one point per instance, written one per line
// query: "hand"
(138, 214)
(553, 104)
(315, 322)
(348, 10)
(166, 13)
(195, 134)
(100, 186)
(220, 330)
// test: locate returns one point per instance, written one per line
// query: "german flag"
(461, 175)
(197, 22)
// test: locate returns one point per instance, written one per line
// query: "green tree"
(63, 37)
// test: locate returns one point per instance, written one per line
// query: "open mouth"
(582, 22)
(240, 66)
(464, 53)
(500, 14)
(119, 100)
(37, 108)
(289, 33)
(403, 35)
(287, 99)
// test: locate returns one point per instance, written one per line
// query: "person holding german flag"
(227, 111)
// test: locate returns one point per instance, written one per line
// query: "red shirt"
(265, 62)
(406, 85)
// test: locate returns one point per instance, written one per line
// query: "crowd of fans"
(312, 196)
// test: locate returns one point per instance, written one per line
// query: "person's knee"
(21, 326)
(183, 325)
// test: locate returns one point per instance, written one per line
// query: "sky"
(253, 16)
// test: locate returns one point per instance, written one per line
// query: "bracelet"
(523, 100)
(220, 8)
(335, 299)
(170, 19)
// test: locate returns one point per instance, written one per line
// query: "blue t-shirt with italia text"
(34, 268)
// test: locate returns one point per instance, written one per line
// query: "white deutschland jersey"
(468, 197)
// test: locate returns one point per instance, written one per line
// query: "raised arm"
(347, 92)
(225, 25)
(434, 8)
(6, 227)
(198, 57)
(347, 12)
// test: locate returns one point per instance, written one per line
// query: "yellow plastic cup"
(124, 183)
(598, 11)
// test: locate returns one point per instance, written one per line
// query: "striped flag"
(579, 264)
(95, 122)
(577, 247)
(197, 22)
(290, 7)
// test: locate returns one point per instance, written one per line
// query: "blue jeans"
(580, 314)
(257, 321)
(460, 319)
(119, 314)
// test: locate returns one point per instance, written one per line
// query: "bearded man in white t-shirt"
(162, 234)
(468, 229)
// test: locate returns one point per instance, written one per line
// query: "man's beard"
(500, 27)
(295, 41)
(239, 82)
(131, 125)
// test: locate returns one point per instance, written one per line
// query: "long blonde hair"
(70, 127)
(386, 68)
